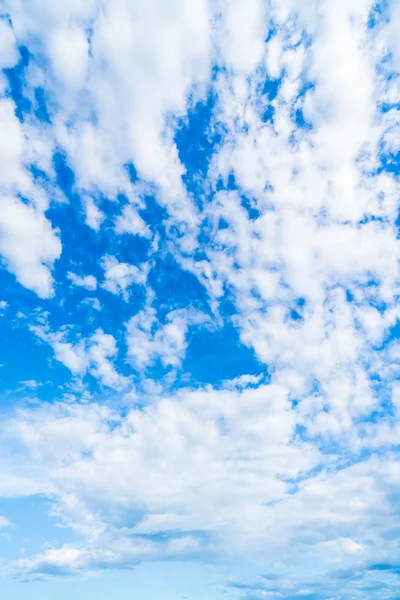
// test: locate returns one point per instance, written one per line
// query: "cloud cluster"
(118, 277)
(160, 469)
(94, 355)
(148, 339)
(254, 147)
(206, 470)
(29, 244)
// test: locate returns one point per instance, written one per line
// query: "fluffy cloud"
(118, 277)
(287, 235)
(102, 350)
(228, 464)
(94, 355)
(166, 50)
(94, 216)
(29, 245)
(319, 225)
(130, 221)
(116, 466)
(8, 51)
(88, 281)
(148, 339)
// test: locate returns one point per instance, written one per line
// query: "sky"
(199, 299)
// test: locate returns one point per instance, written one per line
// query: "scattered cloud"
(129, 221)
(118, 276)
(229, 173)
(88, 281)
(94, 216)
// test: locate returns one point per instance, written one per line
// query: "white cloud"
(221, 462)
(94, 216)
(129, 221)
(94, 302)
(148, 339)
(143, 62)
(243, 381)
(71, 355)
(173, 485)
(69, 53)
(306, 250)
(4, 522)
(102, 350)
(94, 354)
(309, 189)
(243, 31)
(29, 245)
(88, 281)
(31, 384)
(392, 29)
(121, 276)
(8, 48)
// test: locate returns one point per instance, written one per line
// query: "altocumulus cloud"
(200, 271)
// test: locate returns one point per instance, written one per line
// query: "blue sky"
(199, 305)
